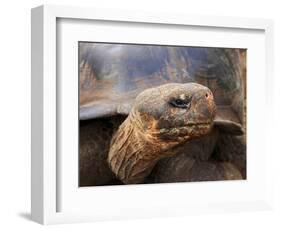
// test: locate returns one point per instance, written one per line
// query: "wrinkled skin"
(94, 147)
(162, 119)
(194, 161)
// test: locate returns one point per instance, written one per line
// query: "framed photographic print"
(137, 114)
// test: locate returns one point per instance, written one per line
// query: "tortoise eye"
(179, 103)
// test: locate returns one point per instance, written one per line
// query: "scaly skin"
(195, 162)
(232, 149)
(179, 168)
(156, 125)
(95, 136)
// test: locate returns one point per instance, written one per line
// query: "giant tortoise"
(151, 114)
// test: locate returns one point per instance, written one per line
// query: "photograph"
(161, 114)
(142, 113)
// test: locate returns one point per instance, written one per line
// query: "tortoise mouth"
(188, 131)
(195, 129)
(196, 124)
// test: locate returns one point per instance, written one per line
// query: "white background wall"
(15, 113)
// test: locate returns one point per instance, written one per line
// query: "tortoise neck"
(133, 153)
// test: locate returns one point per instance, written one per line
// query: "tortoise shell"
(112, 75)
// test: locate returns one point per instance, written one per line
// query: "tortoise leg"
(178, 168)
(195, 162)
(95, 136)
(228, 161)
(187, 169)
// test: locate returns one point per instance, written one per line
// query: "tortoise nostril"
(207, 95)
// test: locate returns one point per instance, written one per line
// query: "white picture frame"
(47, 182)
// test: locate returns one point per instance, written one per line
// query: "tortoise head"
(175, 112)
